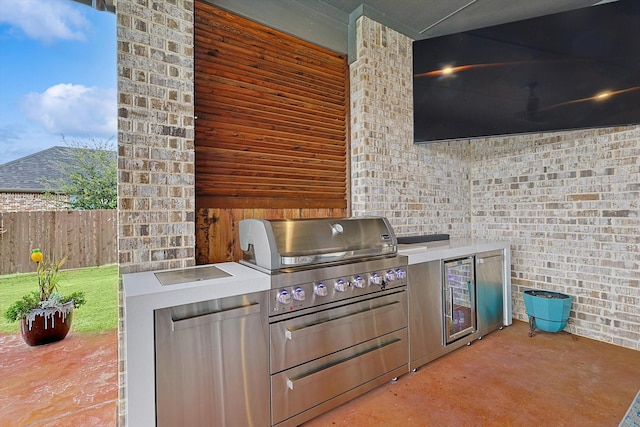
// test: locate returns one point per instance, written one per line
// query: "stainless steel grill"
(338, 309)
(289, 245)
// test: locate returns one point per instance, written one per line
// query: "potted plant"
(45, 315)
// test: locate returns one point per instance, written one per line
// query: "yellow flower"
(36, 255)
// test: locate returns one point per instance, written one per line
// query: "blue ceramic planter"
(549, 310)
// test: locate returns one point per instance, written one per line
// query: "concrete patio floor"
(69, 383)
(505, 379)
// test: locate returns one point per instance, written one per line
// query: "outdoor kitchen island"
(459, 291)
(144, 294)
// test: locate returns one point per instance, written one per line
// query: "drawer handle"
(218, 316)
(292, 333)
(319, 371)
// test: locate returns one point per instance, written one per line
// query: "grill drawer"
(308, 337)
(327, 382)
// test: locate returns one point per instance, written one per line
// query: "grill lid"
(279, 245)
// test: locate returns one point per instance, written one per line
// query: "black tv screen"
(570, 70)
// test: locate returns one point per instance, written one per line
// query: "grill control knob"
(341, 285)
(298, 294)
(284, 297)
(376, 279)
(400, 274)
(359, 282)
(321, 290)
(391, 275)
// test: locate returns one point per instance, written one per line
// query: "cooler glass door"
(459, 299)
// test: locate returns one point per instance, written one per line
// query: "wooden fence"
(86, 238)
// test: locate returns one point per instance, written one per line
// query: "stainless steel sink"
(187, 275)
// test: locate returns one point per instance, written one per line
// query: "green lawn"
(99, 284)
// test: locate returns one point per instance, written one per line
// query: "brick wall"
(156, 187)
(20, 202)
(568, 202)
(422, 189)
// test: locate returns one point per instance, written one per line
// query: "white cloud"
(74, 110)
(45, 20)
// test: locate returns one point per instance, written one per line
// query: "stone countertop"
(143, 293)
(240, 280)
(447, 249)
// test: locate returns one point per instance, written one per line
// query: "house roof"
(36, 172)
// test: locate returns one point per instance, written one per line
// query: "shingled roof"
(35, 173)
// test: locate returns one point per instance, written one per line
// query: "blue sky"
(58, 76)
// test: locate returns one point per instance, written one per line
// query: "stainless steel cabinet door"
(489, 287)
(212, 363)
(425, 313)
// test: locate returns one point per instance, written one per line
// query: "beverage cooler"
(459, 299)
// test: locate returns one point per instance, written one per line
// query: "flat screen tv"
(570, 70)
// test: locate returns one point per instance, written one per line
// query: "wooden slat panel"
(272, 120)
(273, 203)
(264, 93)
(293, 194)
(254, 85)
(219, 26)
(274, 116)
(268, 68)
(271, 133)
(256, 138)
(246, 121)
(322, 87)
(239, 103)
(266, 141)
(267, 160)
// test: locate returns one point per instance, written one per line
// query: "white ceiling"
(428, 18)
(329, 23)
